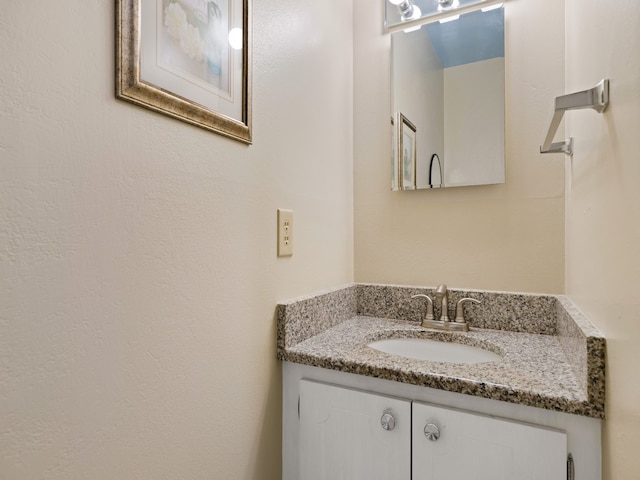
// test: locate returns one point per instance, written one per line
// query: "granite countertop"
(561, 369)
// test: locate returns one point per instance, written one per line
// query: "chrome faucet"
(442, 300)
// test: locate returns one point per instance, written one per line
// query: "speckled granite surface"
(305, 317)
(552, 356)
(499, 311)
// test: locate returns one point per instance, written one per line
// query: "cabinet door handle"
(387, 421)
(432, 432)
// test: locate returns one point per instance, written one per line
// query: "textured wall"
(501, 237)
(603, 208)
(138, 274)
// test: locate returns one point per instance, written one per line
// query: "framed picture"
(395, 168)
(406, 135)
(189, 59)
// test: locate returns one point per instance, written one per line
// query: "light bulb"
(447, 4)
(417, 13)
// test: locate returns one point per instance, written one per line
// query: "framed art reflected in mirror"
(406, 135)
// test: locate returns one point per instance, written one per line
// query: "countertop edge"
(451, 384)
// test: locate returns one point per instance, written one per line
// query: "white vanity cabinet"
(342, 434)
(452, 444)
(334, 428)
(350, 434)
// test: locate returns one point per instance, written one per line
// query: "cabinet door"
(478, 447)
(342, 436)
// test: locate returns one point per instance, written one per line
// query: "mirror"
(447, 82)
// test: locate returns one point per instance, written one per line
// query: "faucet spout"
(441, 296)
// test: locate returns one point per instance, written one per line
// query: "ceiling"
(474, 37)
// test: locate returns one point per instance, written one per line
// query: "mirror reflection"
(447, 81)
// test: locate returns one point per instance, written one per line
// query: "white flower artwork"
(196, 40)
(175, 19)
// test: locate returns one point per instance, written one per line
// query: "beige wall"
(501, 237)
(138, 274)
(603, 209)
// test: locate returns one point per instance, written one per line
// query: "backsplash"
(584, 347)
(310, 315)
(515, 312)
(305, 317)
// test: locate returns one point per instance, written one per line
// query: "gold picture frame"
(188, 59)
(406, 138)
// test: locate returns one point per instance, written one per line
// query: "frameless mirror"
(447, 81)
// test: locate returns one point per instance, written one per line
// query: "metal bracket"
(596, 98)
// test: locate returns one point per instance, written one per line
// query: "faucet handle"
(459, 308)
(429, 314)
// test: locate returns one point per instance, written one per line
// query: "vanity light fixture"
(444, 5)
(408, 16)
(408, 10)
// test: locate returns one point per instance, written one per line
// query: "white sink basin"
(435, 351)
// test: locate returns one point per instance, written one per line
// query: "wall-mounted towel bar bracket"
(596, 98)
